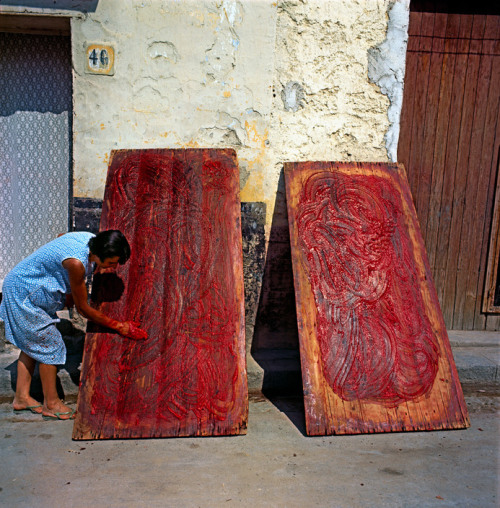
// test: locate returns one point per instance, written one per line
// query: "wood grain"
(180, 211)
(475, 195)
(408, 110)
(452, 166)
(374, 348)
(490, 159)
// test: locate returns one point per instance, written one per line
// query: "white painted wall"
(276, 80)
(187, 74)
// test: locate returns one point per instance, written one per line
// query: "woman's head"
(110, 244)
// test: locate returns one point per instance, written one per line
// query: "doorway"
(35, 142)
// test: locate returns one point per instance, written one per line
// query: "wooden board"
(180, 211)
(374, 349)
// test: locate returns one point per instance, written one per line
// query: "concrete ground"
(274, 465)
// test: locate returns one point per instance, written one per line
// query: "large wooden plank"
(374, 348)
(184, 282)
(439, 145)
(471, 235)
(457, 164)
(476, 218)
(445, 232)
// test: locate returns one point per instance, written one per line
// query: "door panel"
(450, 134)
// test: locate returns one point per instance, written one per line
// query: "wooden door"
(449, 144)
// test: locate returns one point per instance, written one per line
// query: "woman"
(32, 293)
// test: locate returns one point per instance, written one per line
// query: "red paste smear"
(180, 287)
(375, 339)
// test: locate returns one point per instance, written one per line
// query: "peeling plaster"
(386, 68)
(219, 137)
(292, 96)
(165, 50)
(220, 57)
(211, 74)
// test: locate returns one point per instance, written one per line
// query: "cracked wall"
(277, 81)
(187, 74)
(291, 80)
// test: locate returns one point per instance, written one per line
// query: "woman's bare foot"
(58, 411)
(26, 404)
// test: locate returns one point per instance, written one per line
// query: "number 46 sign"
(100, 59)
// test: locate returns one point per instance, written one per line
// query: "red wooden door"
(449, 143)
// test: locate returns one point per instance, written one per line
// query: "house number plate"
(100, 59)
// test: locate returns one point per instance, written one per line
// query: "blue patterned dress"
(32, 293)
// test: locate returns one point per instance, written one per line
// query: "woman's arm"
(76, 272)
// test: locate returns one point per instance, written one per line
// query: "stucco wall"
(277, 81)
(323, 47)
(187, 74)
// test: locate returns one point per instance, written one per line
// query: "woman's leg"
(22, 399)
(52, 403)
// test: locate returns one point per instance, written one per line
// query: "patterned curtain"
(35, 143)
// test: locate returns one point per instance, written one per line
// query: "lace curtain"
(35, 143)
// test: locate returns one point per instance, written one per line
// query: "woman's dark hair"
(108, 244)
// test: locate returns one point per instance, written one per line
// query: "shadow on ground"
(290, 404)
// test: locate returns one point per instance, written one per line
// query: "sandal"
(28, 408)
(57, 415)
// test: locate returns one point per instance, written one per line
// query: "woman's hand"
(131, 330)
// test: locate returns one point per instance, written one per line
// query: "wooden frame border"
(493, 255)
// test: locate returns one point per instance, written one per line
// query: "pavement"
(274, 465)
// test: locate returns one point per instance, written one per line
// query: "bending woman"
(36, 289)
